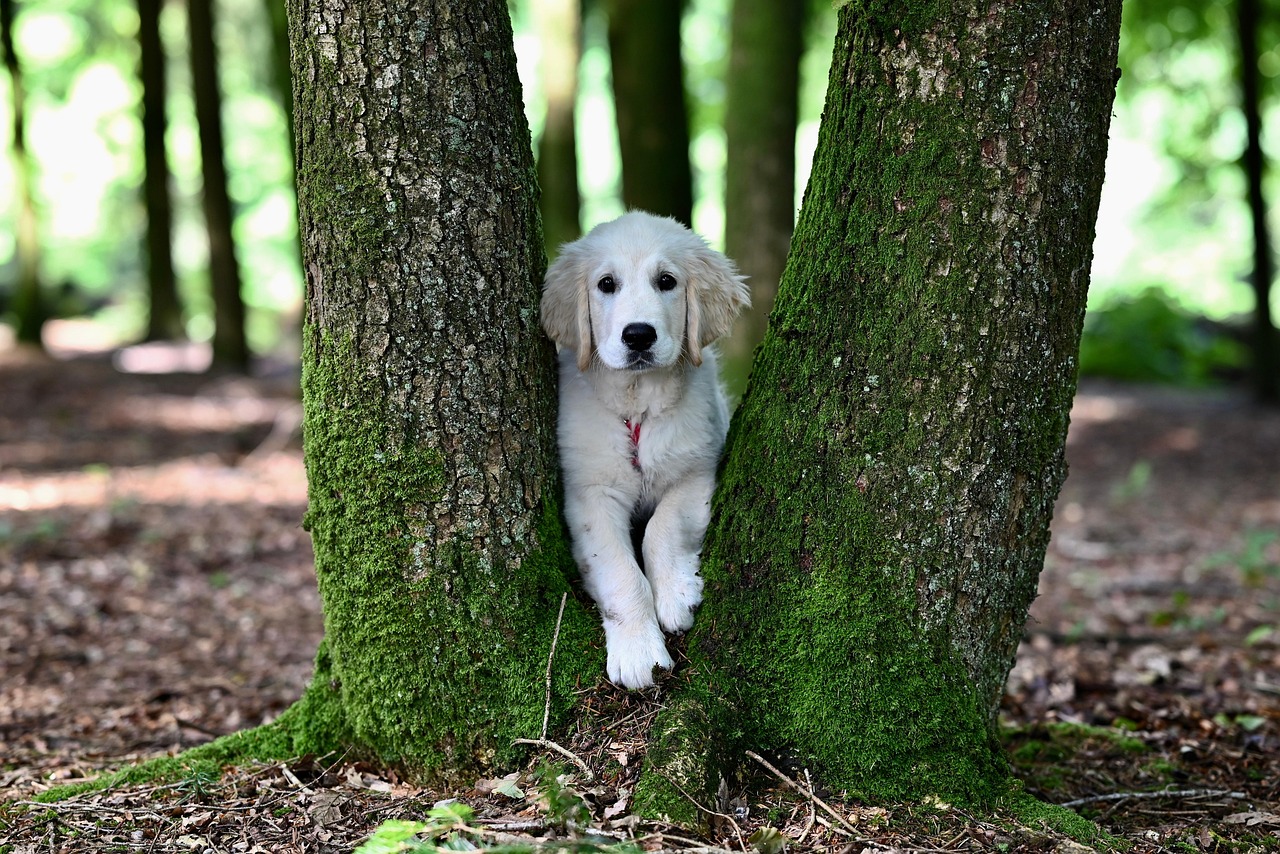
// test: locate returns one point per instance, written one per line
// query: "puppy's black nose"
(639, 336)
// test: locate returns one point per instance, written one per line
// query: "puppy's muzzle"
(639, 336)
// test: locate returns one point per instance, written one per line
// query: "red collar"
(634, 430)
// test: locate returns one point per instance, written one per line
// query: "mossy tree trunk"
(884, 509)
(429, 389)
(648, 94)
(762, 102)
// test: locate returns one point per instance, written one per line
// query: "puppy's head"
(640, 292)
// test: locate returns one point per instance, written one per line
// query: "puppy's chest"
(661, 451)
(643, 399)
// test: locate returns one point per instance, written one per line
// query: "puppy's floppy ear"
(566, 314)
(715, 293)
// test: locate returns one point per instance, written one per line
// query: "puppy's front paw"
(676, 595)
(634, 650)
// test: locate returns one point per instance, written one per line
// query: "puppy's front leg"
(672, 544)
(600, 526)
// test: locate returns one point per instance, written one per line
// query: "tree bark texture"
(230, 346)
(559, 30)
(29, 308)
(648, 94)
(164, 311)
(762, 102)
(429, 389)
(884, 508)
(1266, 344)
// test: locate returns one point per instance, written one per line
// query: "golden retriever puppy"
(633, 306)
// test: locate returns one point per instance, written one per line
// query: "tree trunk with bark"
(429, 389)
(29, 309)
(884, 508)
(762, 102)
(164, 311)
(648, 94)
(558, 23)
(1266, 343)
(230, 346)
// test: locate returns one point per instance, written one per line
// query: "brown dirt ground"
(156, 590)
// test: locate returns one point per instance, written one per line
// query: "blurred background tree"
(164, 311)
(230, 348)
(28, 302)
(558, 26)
(1183, 222)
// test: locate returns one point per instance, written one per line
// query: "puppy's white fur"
(669, 391)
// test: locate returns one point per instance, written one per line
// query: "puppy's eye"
(607, 285)
(666, 282)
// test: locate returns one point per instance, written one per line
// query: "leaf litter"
(156, 591)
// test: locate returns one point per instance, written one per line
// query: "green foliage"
(768, 840)
(563, 806)
(1134, 484)
(450, 827)
(446, 829)
(199, 782)
(1253, 560)
(1149, 338)
(393, 836)
(79, 63)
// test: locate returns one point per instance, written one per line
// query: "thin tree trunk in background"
(648, 92)
(164, 318)
(762, 102)
(29, 308)
(889, 479)
(1266, 344)
(278, 16)
(230, 347)
(429, 390)
(558, 23)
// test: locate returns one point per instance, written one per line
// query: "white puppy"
(633, 305)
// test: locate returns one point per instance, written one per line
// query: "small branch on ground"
(542, 740)
(807, 793)
(1182, 793)
(736, 829)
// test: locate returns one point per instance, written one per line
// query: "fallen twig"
(813, 815)
(555, 639)
(742, 843)
(542, 740)
(808, 793)
(1181, 793)
(563, 751)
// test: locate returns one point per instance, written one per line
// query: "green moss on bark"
(435, 653)
(682, 762)
(287, 737)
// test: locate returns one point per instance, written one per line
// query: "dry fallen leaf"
(326, 807)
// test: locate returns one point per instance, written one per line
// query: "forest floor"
(156, 590)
